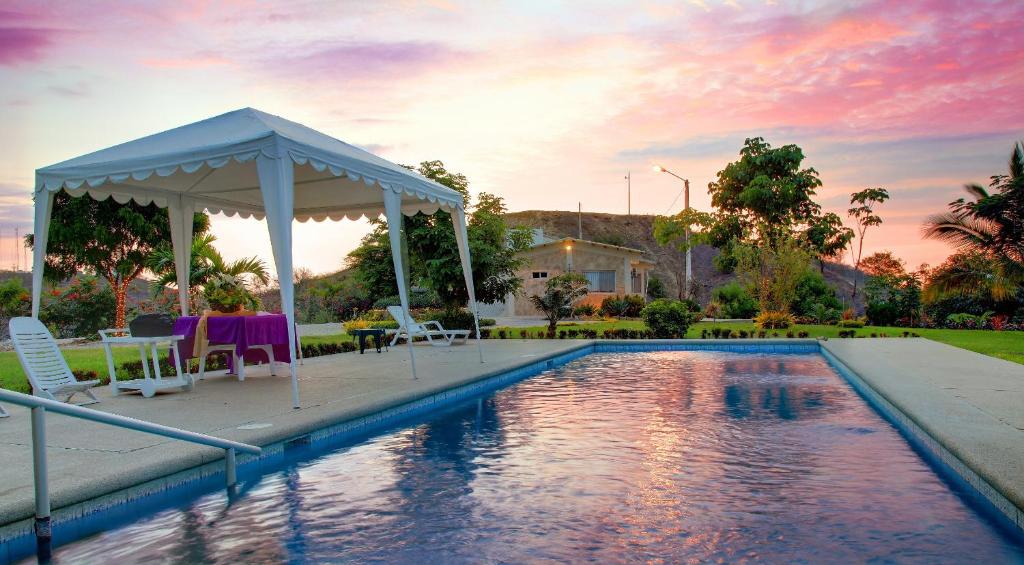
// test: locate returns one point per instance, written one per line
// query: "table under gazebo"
(252, 164)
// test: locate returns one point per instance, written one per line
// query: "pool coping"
(375, 417)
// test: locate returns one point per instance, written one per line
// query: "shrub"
(851, 323)
(585, 310)
(417, 300)
(668, 318)
(802, 333)
(823, 314)
(735, 301)
(623, 306)
(655, 288)
(81, 309)
(352, 325)
(774, 320)
(812, 291)
(882, 313)
(455, 319)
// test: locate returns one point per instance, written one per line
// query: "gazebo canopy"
(212, 163)
(253, 164)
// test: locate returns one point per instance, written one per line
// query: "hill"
(637, 231)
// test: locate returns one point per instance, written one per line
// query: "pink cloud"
(21, 40)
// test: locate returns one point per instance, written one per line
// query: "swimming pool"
(674, 455)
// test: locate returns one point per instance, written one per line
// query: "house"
(610, 270)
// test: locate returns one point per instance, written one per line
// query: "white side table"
(148, 347)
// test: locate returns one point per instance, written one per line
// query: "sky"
(546, 104)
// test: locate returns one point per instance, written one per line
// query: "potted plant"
(228, 294)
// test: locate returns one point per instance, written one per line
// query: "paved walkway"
(973, 404)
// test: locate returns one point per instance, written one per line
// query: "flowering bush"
(81, 309)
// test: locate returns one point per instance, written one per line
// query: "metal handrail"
(39, 406)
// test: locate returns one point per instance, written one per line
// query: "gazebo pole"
(41, 234)
(393, 212)
(462, 239)
(277, 183)
(181, 213)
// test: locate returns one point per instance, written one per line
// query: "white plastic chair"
(3, 413)
(416, 329)
(42, 361)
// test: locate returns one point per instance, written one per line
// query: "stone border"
(16, 537)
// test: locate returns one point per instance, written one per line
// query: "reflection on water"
(671, 456)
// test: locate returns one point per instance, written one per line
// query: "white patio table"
(148, 353)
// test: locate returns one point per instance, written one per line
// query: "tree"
(827, 238)
(433, 256)
(773, 272)
(560, 296)
(681, 231)
(883, 263)
(111, 240)
(992, 225)
(206, 264)
(863, 213)
(764, 197)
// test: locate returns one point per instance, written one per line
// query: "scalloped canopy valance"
(212, 164)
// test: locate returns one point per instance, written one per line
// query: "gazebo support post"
(40, 236)
(181, 213)
(277, 183)
(462, 239)
(393, 212)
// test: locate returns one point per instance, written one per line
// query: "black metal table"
(376, 333)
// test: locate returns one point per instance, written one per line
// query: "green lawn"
(1005, 345)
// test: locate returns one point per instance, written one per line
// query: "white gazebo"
(253, 164)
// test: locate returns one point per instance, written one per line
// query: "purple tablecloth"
(242, 331)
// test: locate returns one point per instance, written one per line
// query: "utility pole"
(17, 256)
(579, 218)
(686, 206)
(689, 267)
(629, 194)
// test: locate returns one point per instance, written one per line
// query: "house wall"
(555, 260)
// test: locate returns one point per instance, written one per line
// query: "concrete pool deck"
(972, 404)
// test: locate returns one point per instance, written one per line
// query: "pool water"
(663, 457)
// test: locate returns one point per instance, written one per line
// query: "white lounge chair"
(47, 371)
(435, 335)
(3, 413)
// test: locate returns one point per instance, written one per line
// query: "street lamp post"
(686, 206)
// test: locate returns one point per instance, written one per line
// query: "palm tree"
(559, 298)
(207, 263)
(992, 225)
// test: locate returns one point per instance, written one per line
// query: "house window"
(600, 281)
(540, 274)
